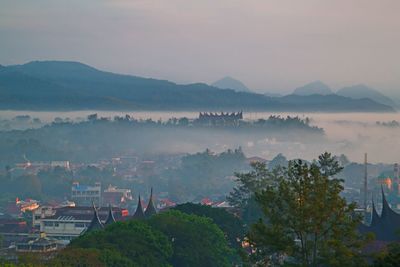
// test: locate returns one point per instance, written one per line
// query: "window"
(79, 225)
(48, 224)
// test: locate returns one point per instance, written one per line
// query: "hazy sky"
(270, 45)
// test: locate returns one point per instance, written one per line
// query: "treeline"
(273, 122)
(390, 124)
(204, 174)
(99, 138)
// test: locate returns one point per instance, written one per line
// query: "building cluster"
(53, 227)
(35, 167)
(97, 224)
(219, 119)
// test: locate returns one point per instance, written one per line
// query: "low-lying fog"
(351, 134)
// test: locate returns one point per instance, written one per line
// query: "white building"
(69, 222)
(86, 195)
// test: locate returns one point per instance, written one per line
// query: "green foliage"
(231, 225)
(170, 238)
(196, 241)
(328, 165)
(71, 257)
(135, 241)
(388, 258)
(243, 195)
(306, 219)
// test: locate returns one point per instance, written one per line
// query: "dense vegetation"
(167, 239)
(204, 174)
(231, 225)
(99, 138)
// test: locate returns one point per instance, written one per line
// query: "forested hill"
(60, 85)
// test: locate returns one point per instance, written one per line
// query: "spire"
(95, 224)
(139, 210)
(150, 210)
(110, 218)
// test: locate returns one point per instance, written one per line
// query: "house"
(116, 196)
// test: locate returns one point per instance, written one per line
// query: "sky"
(270, 45)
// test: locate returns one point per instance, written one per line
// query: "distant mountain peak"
(313, 88)
(360, 91)
(231, 83)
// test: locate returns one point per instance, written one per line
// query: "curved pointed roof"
(388, 215)
(95, 224)
(139, 210)
(385, 205)
(110, 218)
(375, 217)
(150, 210)
(386, 226)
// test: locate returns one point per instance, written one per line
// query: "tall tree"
(306, 219)
(243, 195)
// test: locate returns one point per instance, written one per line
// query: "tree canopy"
(196, 240)
(134, 240)
(171, 238)
(231, 225)
(304, 219)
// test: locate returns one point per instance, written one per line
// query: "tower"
(396, 178)
(365, 181)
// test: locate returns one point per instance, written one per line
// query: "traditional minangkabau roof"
(385, 227)
(110, 218)
(139, 210)
(150, 210)
(375, 216)
(95, 224)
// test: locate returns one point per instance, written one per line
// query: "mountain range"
(362, 91)
(359, 91)
(63, 85)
